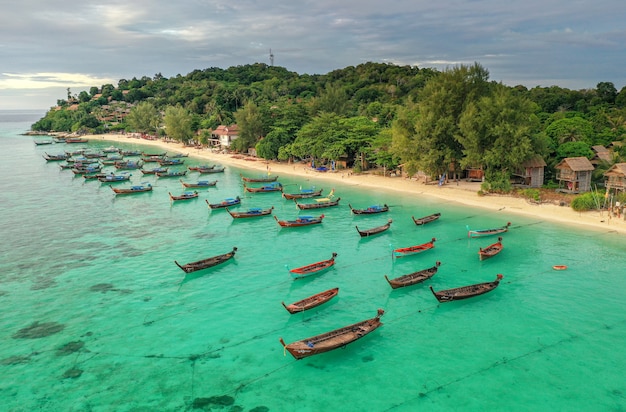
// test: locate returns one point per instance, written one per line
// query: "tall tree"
(143, 118)
(250, 126)
(178, 123)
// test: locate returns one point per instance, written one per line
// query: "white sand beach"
(461, 192)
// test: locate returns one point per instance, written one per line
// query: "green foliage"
(533, 194)
(574, 149)
(587, 201)
(178, 121)
(496, 181)
(143, 118)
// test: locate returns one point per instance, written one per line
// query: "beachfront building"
(616, 177)
(224, 135)
(574, 174)
(531, 172)
(601, 154)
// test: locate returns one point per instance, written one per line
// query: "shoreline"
(463, 193)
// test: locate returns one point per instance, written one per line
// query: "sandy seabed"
(461, 192)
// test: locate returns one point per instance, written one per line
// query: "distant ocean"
(97, 317)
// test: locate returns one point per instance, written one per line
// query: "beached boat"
(145, 187)
(465, 292)
(206, 263)
(313, 268)
(75, 140)
(55, 157)
(375, 230)
(155, 170)
(300, 221)
(252, 212)
(155, 155)
(231, 201)
(426, 219)
(303, 194)
(184, 196)
(178, 155)
(259, 179)
(487, 232)
(319, 204)
(273, 187)
(491, 250)
(113, 178)
(413, 278)
(369, 210)
(200, 184)
(130, 153)
(311, 301)
(334, 339)
(411, 250)
(173, 173)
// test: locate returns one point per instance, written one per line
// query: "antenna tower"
(271, 58)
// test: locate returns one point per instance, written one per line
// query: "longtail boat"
(155, 170)
(215, 169)
(113, 178)
(312, 301)
(130, 153)
(252, 212)
(319, 204)
(231, 201)
(426, 219)
(375, 230)
(200, 184)
(206, 263)
(303, 194)
(43, 142)
(369, 210)
(170, 162)
(55, 157)
(487, 232)
(184, 196)
(258, 179)
(75, 140)
(411, 250)
(313, 268)
(300, 221)
(128, 165)
(133, 189)
(465, 292)
(413, 278)
(491, 250)
(172, 173)
(273, 187)
(334, 339)
(200, 168)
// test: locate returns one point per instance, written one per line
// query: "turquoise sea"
(97, 317)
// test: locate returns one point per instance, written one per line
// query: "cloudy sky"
(47, 46)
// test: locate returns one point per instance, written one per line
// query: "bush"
(587, 201)
(532, 194)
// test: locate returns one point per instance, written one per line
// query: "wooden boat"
(133, 189)
(94, 176)
(312, 301)
(200, 168)
(128, 165)
(334, 339)
(370, 210)
(172, 173)
(375, 230)
(42, 142)
(426, 219)
(273, 187)
(491, 250)
(81, 170)
(303, 194)
(94, 155)
(258, 179)
(300, 221)
(112, 178)
(411, 250)
(160, 155)
(320, 203)
(313, 268)
(75, 140)
(252, 212)
(206, 263)
(200, 184)
(111, 159)
(178, 155)
(170, 162)
(488, 232)
(465, 292)
(55, 157)
(214, 169)
(111, 149)
(559, 267)
(224, 203)
(184, 196)
(155, 170)
(130, 153)
(413, 278)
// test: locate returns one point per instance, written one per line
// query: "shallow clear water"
(121, 328)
